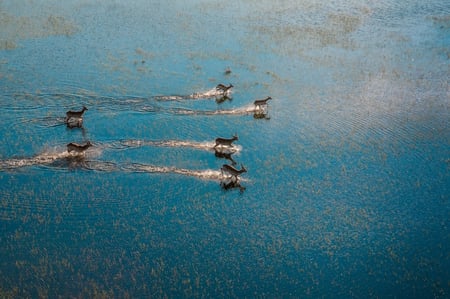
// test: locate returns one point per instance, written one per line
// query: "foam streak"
(209, 94)
(207, 174)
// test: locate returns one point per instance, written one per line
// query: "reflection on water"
(347, 188)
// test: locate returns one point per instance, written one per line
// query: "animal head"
(235, 137)
(243, 169)
(88, 143)
(268, 98)
(84, 108)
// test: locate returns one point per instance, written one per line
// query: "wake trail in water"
(207, 174)
(209, 94)
(65, 160)
(61, 160)
(57, 159)
(47, 122)
(205, 146)
(63, 101)
(169, 143)
(69, 161)
(249, 109)
(41, 159)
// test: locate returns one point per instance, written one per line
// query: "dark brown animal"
(225, 141)
(235, 173)
(260, 103)
(77, 114)
(224, 89)
(78, 147)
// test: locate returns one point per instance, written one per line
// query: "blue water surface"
(347, 189)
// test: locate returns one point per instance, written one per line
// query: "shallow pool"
(347, 187)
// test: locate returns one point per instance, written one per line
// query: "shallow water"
(347, 189)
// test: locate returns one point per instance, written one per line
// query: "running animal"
(225, 141)
(224, 89)
(78, 147)
(235, 173)
(77, 114)
(261, 103)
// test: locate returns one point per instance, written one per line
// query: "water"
(347, 189)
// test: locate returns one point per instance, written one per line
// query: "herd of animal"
(222, 146)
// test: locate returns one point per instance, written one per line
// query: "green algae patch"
(7, 44)
(14, 28)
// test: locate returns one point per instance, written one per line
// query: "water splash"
(126, 103)
(65, 160)
(168, 143)
(56, 158)
(41, 159)
(207, 174)
(205, 145)
(245, 110)
(208, 94)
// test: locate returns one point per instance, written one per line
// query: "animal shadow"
(224, 155)
(231, 184)
(223, 98)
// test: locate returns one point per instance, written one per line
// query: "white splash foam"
(212, 93)
(207, 174)
(41, 159)
(249, 109)
(169, 143)
(46, 158)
